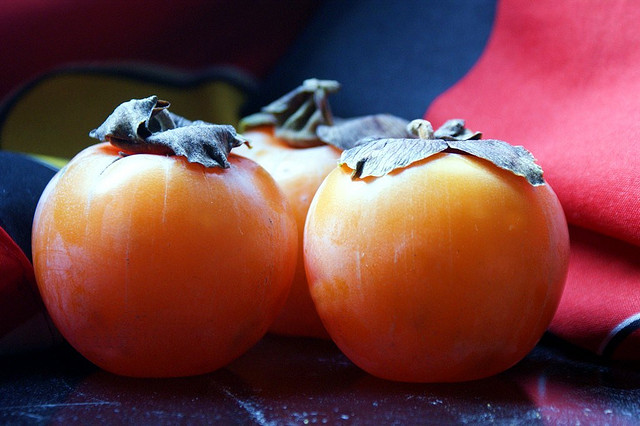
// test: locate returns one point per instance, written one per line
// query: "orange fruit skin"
(448, 270)
(152, 266)
(299, 172)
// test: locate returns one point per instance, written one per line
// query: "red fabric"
(603, 291)
(19, 298)
(562, 79)
(41, 35)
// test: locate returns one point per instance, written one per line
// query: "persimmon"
(168, 263)
(433, 259)
(284, 142)
(293, 139)
(299, 172)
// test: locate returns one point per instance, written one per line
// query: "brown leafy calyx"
(379, 156)
(296, 115)
(146, 126)
(347, 133)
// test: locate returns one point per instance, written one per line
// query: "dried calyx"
(296, 115)
(303, 119)
(146, 126)
(375, 156)
(347, 133)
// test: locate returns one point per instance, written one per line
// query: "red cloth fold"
(600, 308)
(19, 299)
(24, 323)
(562, 79)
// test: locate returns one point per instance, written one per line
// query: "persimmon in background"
(299, 173)
(298, 141)
(284, 142)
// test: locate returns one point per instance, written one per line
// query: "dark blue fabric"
(393, 57)
(22, 180)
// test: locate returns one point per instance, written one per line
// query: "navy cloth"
(22, 180)
(391, 57)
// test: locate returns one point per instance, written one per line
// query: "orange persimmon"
(299, 172)
(154, 265)
(292, 153)
(446, 268)
(298, 141)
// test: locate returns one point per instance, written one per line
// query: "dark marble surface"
(305, 381)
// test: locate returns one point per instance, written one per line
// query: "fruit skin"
(152, 266)
(448, 270)
(299, 172)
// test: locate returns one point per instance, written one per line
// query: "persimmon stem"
(421, 128)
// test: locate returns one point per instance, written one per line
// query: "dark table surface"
(306, 381)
